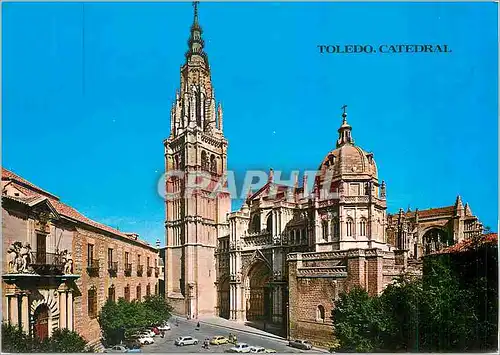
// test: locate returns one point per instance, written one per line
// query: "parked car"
(116, 349)
(300, 344)
(145, 339)
(186, 340)
(257, 349)
(134, 346)
(149, 332)
(240, 348)
(270, 351)
(218, 340)
(155, 330)
(164, 327)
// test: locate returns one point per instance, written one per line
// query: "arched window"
(362, 227)
(335, 228)
(320, 313)
(176, 162)
(349, 227)
(324, 226)
(213, 164)
(269, 222)
(204, 161)
(255, 227)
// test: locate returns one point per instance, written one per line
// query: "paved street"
(166, 345)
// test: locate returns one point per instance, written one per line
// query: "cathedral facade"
(283, 258)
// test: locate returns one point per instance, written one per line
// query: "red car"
(155, 330)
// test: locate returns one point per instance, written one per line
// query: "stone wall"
(312, 293)
(89, 327)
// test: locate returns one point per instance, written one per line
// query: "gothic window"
(335, 228)
(270, 222)
(148, 290)
(362, 227)
(324, 226)
(349, 227)
(213, 164)
(320, 313)
(204, 161)
(255, 227)
(176, 163)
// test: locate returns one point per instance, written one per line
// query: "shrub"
(15, 340)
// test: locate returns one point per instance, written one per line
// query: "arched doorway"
(224, 298)
(435, 239)
(259, 305)
(41, 325)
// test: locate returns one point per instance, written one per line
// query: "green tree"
(359, 322)
(119, 320)
(159, 310)
(402, 302)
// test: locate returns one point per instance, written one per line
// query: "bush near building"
(120, 320)
(452, 307)
(15, 340)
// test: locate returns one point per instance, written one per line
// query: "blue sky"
(85, 119)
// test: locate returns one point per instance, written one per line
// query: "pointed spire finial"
(195, 5)
(344, 130)
(344, 114)
(195, 41)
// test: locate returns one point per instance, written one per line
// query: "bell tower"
(194, 219)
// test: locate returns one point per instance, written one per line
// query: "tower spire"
(195, 52)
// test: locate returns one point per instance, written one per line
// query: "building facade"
(284, 257)
(423, 232)
(61, 266)
(196, 146)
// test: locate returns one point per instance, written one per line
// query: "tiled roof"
(34, 192)
(8, 175)
(431, 212)
(470, 244)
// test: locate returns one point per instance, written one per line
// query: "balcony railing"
(47, 263)
(113, 267)
(157, 271)
(128, 269)
(150, 271)
(139, 270)
(93, 267)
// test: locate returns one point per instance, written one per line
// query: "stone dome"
(347, 158)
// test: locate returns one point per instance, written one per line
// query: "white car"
(240, 348)
(116, 349)
(164, 327)
(145, 339)
(148, 332)
(257, 349)
(187, 340)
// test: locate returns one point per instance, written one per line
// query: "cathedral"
(282, 259)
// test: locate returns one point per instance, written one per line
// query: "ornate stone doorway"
(259, 304)
(41, 325)
(224, 298)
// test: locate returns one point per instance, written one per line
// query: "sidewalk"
(233, 325)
